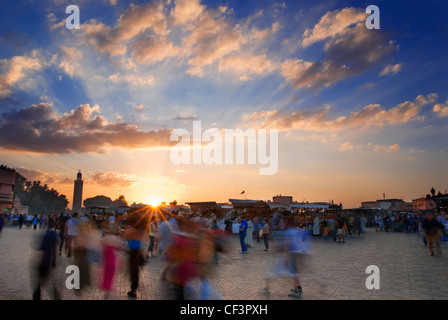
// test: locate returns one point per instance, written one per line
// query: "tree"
(39, 199)
(98, 201)
(120, 202)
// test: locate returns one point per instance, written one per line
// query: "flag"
(243, 192)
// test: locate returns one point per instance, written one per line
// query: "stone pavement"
(333, 272)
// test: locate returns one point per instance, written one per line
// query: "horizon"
(350, 112)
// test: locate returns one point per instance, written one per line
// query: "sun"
(154, 201)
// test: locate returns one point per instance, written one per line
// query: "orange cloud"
(441, 109)
(333, 23)
(371, 115)
(245, 67)
(39, 129)
(136, 20)
(18, 68)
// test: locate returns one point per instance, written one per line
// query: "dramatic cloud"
(203, 37)
(14, 70)
(371, 115)
(68, 60)
(214, 37)
(136, 20)
(333, 23)
(186, 11)
(347, 55)
(39, 129)
(44, 177)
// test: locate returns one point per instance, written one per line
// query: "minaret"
(77, 193)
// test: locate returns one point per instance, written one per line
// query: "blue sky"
(359, 112)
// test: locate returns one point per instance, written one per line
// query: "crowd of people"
(189, 247)
(189, 244)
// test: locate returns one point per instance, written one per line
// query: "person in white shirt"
(71, 231)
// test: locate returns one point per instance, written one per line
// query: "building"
(442, 202)
(77, 193)
(284, 200)
(7, 183)
(206, 208)
(424, 203)
(315, 207)
(251, 208)
(369, 205)
(19, 208)
(388, 205)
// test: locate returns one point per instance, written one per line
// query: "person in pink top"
(111, 247)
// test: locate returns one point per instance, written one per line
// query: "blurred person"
(111, 218)
(46, 263)
(265, 230)
(378, 223)
(362, 222)
(332, 228)
(392, 222)
(111, 247)
(357, 225)
(61, 220)
(2, 222)
(249, 234)
(431, 229)
(299, 245)
(325, 229)
(217, 230)
(256, 228)
(205, 258)
(182, 257)
(406, 224)
(82, 243)
(243, 232)
(152, 230)
(281, 223)
(316, 226)
(134, 236)
(387, 223)
(340, 231)
(70, 233)
(21, 221)
(277, 262)
(35, 221)
(411, 223)
(166, 229)
(421, 231)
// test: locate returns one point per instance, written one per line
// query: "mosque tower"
(77, 193)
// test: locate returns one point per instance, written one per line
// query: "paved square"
(333, 271)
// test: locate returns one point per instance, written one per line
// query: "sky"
(359, 112)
